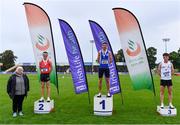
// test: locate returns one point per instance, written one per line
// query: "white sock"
(170, 104)
(42, 98)
(162, 104)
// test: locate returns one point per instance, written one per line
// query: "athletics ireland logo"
(133, 48)
(42, 43)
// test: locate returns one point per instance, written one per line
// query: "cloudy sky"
(158, 19)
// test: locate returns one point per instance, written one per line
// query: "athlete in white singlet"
(165, 71)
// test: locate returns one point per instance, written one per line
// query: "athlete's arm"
(172, 69)
(159, 69)
(110, 57)
(50, 68)
(98, 57)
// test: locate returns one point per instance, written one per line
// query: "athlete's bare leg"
(170, 95)
(100, 85)
(48, 89)
(42, 89)
(162, 95)
(107, 84)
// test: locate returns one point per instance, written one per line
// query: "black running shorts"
(104, 71)
(45, 77)
(166, 83)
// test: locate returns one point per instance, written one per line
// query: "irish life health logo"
(133, 48)
(42, 43)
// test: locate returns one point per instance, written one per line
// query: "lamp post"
(124, 63)
(92, 42)
(0, 62)
(165, 40)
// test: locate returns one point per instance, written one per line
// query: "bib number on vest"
(44, 69)
(166, 74)
(104, 62)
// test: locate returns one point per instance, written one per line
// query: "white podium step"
(166, 111)
(43, 107)
(103, 106)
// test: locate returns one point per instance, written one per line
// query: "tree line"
(151, 54)
(8, 58)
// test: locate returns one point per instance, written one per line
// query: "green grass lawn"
(139, 106)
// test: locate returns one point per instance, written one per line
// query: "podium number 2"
(103, 104)
(41, 107)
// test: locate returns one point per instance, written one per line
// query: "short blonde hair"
(19, 68)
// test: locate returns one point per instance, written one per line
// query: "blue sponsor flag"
(100, 37)
(74, 57)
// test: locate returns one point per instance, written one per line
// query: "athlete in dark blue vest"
(104, 59)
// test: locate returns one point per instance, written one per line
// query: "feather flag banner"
(41, 36)
(134, 49)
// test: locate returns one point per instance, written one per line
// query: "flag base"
(103, 106)
(166, 111)
(43, 107)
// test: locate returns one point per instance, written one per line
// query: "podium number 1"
(41, 107)
(103, 104)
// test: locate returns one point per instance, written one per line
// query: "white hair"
(19, 68)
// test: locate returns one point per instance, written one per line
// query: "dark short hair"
(45, 52)
(104, 43)
(165, 54)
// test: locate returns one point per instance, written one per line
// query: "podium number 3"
(103, 104)
(41, 107)
(169, 111)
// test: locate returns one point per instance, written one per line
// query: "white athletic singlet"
(166, 70)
